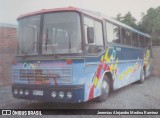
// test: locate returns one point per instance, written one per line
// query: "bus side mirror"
(90, 35)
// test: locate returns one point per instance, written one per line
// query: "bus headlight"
(53, 94)
(15, 91)
(61, 94)
(21, 92)
(26, 92)
(69, 95)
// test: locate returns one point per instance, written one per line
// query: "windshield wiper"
(51, 47)
(36, 42)
(31, 49)
(22, 51)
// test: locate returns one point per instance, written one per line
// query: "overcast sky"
(11, 9)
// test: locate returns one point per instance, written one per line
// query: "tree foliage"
(149, 23)
(127, 19)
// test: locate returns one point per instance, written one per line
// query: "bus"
(73, 55)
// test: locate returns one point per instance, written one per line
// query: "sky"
(11, 9)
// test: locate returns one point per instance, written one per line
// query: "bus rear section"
(49, 80)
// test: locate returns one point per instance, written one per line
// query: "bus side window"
(145, 42)
(135, 41)
(142, 41)
(113, 33)
(116, 34)
(98, 44)
(148, 43)
(126, 36)
(98, 34)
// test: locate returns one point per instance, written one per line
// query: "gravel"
(134, 96)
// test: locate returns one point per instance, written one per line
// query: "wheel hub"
(105, 87)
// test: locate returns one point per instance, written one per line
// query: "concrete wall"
(156, 60)
(7, 51)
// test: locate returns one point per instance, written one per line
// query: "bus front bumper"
(50, 93)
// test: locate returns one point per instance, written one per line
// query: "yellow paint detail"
(109, 59)
(146, 58)
(128, 71)
(95, 82)
(113, 67)
(106, 57)
(102, 58)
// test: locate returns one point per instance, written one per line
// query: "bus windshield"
(61, 34)
(28, 35)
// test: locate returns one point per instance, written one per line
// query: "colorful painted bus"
(73, 55)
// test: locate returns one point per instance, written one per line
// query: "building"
(8, 46)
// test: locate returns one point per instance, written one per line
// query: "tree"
(147, 21)
(150, 23)
(127, 19)
(119, 17)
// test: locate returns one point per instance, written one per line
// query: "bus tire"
(142, 76)
(105, 89)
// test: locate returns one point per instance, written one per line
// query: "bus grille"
(48, 76)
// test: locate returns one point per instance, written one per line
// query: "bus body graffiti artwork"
(73, 55)
(108, 63)
(39, 76)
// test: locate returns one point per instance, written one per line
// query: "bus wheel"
(142, 76)
(105, 89)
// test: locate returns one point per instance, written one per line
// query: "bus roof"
(102, 16)
(88, 12)
(49, 10)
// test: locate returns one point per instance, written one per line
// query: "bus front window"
(61, 33)
(28, 32)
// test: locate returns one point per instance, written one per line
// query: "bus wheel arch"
(110, 79)
(142, 75)
(144, 69)
(107, 81)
